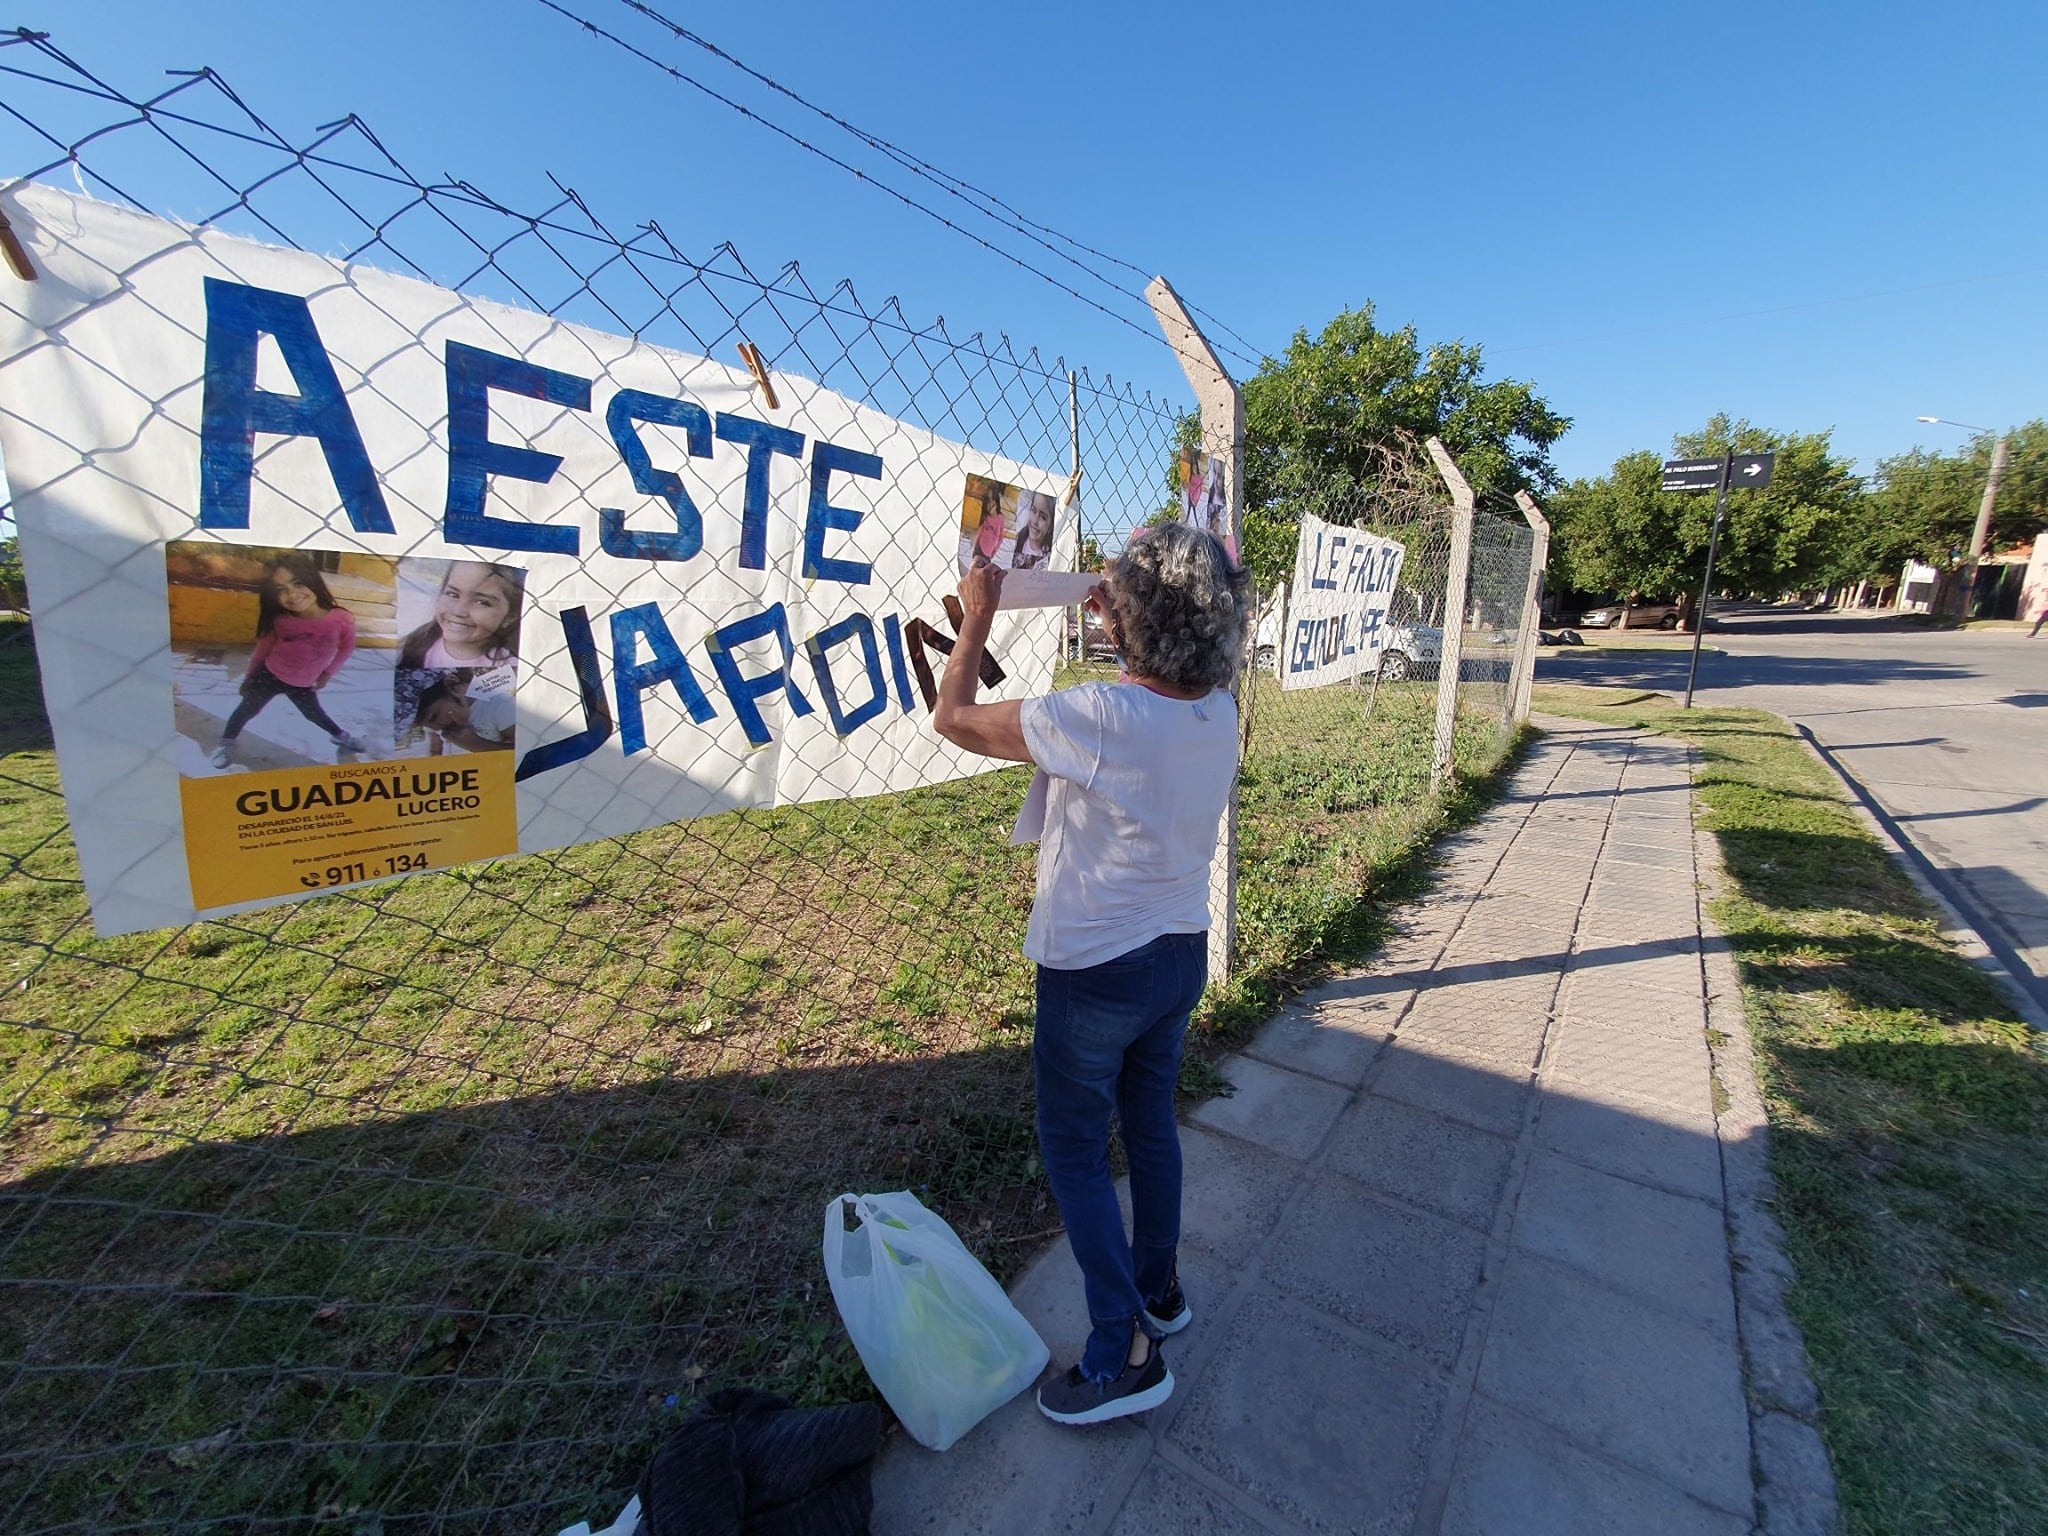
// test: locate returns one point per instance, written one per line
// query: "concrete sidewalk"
(1459, 1247)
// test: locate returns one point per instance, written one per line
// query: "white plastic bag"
(939, 1338)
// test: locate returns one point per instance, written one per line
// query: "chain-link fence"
(425, 1206)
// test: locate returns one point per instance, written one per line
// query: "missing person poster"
(1013, 528)
(340, 717)
(339, 576)
(1205, 495)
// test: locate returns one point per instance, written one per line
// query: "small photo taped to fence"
(988, 514)
(458, 660)
(1033, 546)
(1205, 495)
(280, 658)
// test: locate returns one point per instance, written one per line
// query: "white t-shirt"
(1137, 786)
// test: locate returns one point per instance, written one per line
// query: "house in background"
(2011, 583)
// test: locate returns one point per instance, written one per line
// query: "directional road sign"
(1746, 472)
(1691, 475)
(1750, 471)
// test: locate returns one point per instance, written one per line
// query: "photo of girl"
(458, 665)
(470, 712)
(475, 620)
(1194, 489)
(1034, 538)
(254, 624)
(984, 517)
(303, 637)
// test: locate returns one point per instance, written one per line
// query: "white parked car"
(1410, 650)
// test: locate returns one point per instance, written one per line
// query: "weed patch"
(446, 1195)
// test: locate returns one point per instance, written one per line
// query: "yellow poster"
(293, 830)
(341, 716)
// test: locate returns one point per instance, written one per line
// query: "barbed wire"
(684, 78)
(955, 185)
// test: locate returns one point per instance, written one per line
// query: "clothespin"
(17, 253)
(1073, 487)
(751, 356)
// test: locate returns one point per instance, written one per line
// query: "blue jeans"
(1109, 1038)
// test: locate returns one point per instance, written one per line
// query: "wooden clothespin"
(1073, 487)
(751, 356)
(17, 253)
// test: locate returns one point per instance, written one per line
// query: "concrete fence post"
(1221, 403)
(1443, 765)
(1532, 608)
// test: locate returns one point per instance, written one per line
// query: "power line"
(745, 111)
(955, 186)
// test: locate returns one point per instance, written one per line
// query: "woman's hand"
(981, 588)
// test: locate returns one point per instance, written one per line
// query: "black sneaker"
(1170, 1313)
(1074, 1399)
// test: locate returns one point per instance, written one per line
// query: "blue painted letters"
(628, 407)
(472, 457)
(233, 410)
(632, 677)
(826, 457)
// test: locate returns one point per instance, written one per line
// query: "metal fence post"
(1221, 403)
(1532, 609)
(1443, 767)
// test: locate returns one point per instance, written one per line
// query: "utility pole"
(1981, 535)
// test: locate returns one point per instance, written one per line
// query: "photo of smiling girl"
(475, 614)
(458, 665)
(252, 625)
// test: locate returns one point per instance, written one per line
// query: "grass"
(427, 1206)
(1909, 1115)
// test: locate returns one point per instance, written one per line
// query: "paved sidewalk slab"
(1457, 1244)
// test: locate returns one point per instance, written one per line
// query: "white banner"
(1344, 580)
(338, 575)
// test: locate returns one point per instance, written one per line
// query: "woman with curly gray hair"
(1135, 776)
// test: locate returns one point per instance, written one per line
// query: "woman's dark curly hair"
(1178, 608)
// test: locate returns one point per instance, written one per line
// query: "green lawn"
(442, 1197)
(1909, 1113)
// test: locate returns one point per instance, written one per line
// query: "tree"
(12, 589)
(1338, 408)
(1793, 533)
(1924, 505)
(1620, 533)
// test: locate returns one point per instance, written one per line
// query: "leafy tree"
(1620, 533)
(1924, 505)
(12, 587)
(1793, 533)
(1338, 408)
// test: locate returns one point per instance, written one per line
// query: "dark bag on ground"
(748, 1463)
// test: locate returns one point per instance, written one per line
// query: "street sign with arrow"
(1746, 472)
(1729, 472)
(1750, 471)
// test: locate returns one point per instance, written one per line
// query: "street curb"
(1958, 929)
(1795, 1480)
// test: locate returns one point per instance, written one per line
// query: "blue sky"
(1811, 215)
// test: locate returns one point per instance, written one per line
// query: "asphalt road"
(1948, 732)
